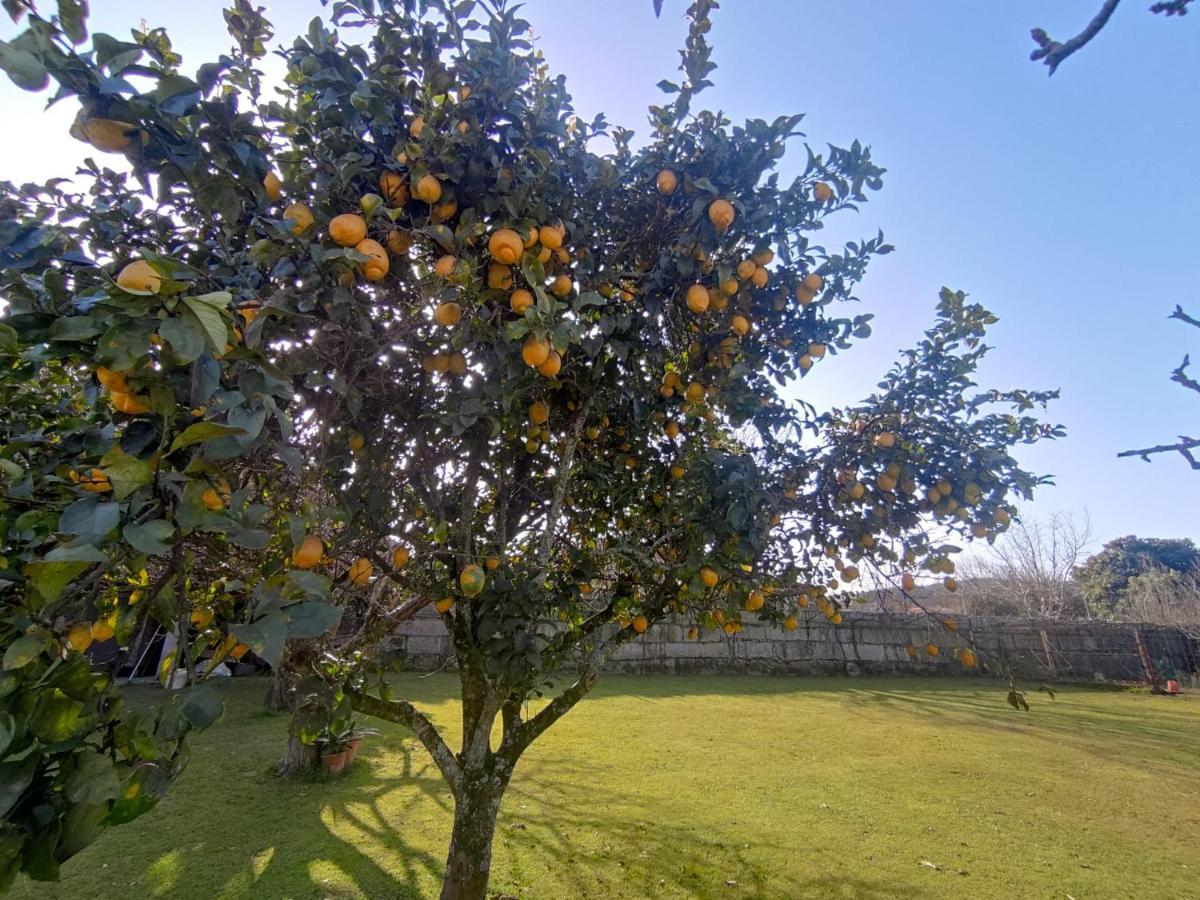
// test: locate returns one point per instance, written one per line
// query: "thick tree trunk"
(283, 696)
(469, 862)
(297, 757)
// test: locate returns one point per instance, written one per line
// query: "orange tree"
(405, 323)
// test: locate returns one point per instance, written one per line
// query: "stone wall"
(873, 643)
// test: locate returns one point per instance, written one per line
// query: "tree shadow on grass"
(1152, 729)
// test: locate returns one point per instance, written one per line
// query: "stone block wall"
(873, 643)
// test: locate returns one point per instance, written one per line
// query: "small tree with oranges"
(403, 336)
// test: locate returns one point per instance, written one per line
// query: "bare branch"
(1052, 53)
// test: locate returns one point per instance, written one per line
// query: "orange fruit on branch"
(347, 229)
(721, 214)
(505, 246)
(139, 277)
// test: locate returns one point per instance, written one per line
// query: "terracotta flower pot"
(334, 763)
(352, 749)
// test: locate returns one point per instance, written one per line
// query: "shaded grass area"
(703, 787)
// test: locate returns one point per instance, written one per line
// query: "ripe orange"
(951, 584)
(813, 282)
(301, 217)
(694, 392)
(79, 637)
(931, 648)
(760, 277)
(394, 188)
(443, 605)
(967, 658)
(505, 246)
(739, 325)
(139, 277)
(457, 364)
(551, 236)
(677, 472)
(539, 412)
(114, 381)
(885, 440)
(697, 298)
(347, 229)
(720, 213)
(666, 182)
(448, 314)
(672, 429)
(755, 601)
(400, 557)
(101, 631)
(520, 301)
(791, 623)
(816, 351)
(309, 553)
(360, 571)
(375, 268)
(551, 366)
(535, 351)
(907, 582)
(640, 623)
(444, 267)
(709, 576)
(129, 403)
(561, 286)
(110, 135)
(213, 500)
(428, 189)
(822, 192)
(746, 268)
(273, 186)
(764, 256)
(499, 277)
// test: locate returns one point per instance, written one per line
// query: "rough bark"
(282, 696)
(469, 860)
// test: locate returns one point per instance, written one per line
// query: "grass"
(704, 787)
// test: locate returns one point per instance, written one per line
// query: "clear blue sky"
(1067, 205)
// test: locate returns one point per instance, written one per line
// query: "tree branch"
(1052, 53)
(529, 731)
(404, 713)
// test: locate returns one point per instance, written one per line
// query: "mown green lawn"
(705, 787)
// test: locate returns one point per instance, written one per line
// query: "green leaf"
(186, 335)
(201, 432)
(24, 650)
(72, 16)
(127, 473)
(74, 328)
(202, 707)
(25, 69)
(311, 619)
(153, 538)
(265, 636)
(93, 778)
(15, 777)
(211, 321)
(312, 583)
(56, 717)
(9, 341)
(89, 519)
(50, 579)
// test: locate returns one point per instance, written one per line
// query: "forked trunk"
(469, 862)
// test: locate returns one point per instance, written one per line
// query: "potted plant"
(356, 734)
(334, 754)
